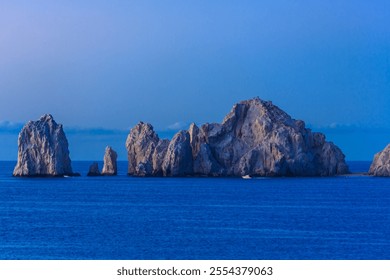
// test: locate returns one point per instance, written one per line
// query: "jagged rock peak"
(43, 150)
(110, 164)
(47, 118)
(258, 109)
(144, 129)
(380, 166)
(146, 151)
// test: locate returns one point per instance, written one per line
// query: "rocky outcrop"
(146, 152)
(381, 163)
(94, 170)
(43, 150)
(256, 138)
(204, 162)
(110, 166)
(178, 158)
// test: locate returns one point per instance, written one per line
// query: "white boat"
(246, 177)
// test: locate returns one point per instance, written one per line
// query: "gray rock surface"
(94, 170)
(204, 162)
(380, 166)
(256, 138)
(146, 151)
(110, 166)
(178, 159)
(43, 150)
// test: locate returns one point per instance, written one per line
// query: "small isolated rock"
(380, 166)
(110, 166)
(94, 170)
(43, 150)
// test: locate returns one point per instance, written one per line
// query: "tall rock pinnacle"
(110, 166)
(43, 149)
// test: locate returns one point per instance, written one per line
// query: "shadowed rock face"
(178, 159)
(43, 150)
(94, 170)
(256, 138)
(110, 166)
(381, 163)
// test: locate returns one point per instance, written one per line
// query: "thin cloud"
(177, 126)
(15, 128)
(10, 127)
(348, 128)
(94, 131)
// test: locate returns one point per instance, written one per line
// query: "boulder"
(380, 166)
(110, 165)
(43, 150)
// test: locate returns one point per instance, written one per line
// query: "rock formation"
(110, 166)
(146, 151)
(43, 150)
(256, 138)
(178, 158)
(94, 170)
(381, 163)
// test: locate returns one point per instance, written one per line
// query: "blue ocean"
(113, 218)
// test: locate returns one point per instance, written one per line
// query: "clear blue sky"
(109, 64)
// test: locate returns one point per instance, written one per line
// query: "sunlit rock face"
(43, 150)
(146, 152)
(256, 138)
(110, 165)
(380, 166)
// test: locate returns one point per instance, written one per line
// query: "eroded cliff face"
(380, 166)
(146, 152)
(178, 158)
(110, 165)
(43, 150)
(256, 138)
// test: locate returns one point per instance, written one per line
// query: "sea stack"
(380, 166)
(94, 170)
(43, 150)
(256, 139)
(110, 166)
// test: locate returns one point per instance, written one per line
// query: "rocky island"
(255, 139)
(109, 164)
(43, 150)
(381, 163)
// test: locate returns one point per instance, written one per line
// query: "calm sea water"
(346, 217)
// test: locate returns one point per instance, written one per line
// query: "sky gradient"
(99, 67)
